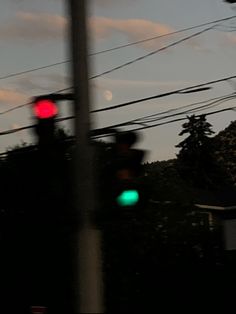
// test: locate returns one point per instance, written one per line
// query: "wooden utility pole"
(88, 295)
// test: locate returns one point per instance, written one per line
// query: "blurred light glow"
(45, 108)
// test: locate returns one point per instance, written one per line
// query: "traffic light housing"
(125, 171)
(128, 170)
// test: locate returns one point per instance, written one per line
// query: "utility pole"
(87, 294)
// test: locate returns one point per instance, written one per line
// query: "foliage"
(199, 131)
(226, 151)
(204, 171)
(147, 255)
(147, 258)
(196, 160)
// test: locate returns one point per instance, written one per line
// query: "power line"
(152, 53)
(17, 129)
(29, 103)
(121, 124)
(32, 70)
(116, 68)
(199, 108)
(168, 122)
(155, 117)
(213, 102)
(119, 47)
(175, 120)
(15, 108)
(177, 91)
(164, 35)
(188, 106)
(137, 129)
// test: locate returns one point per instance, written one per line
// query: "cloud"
(230, 38)
(110, 3)
(118, 83)
(99, 3)
(33, 26)
(133, 29)
(21, 89)
(41, 83)
(15, 126)
(43, 26)
(11, 97)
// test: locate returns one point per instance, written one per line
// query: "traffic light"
(45, 110)
(127, 169)
(128, 197)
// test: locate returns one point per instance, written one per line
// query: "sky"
(35, 34)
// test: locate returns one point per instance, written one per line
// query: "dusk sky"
(34, 34)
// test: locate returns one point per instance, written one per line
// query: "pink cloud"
(33, 26)
(43, 26)
(231, 38)
(133, 29)
(41, 82)
(109, 3)
(8, 96)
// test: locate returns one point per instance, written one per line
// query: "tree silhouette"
(196, 156)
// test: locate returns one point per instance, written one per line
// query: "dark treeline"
(164, 255)
(204, 170)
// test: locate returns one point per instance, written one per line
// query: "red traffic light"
(45, 108)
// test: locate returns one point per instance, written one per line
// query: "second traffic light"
(127, 169)
(128, 197)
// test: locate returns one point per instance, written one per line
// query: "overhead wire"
(164, 35)
(30, 102)
(181, 119)
(130, 62)
(137, 129)
(177, 91)
(168, 122)
(154, 117)
(187, 106)
(203, 107)
(119, 67)
(152, 53)
(121, 124)
(126, 64)
(192, 87)
(119, 47)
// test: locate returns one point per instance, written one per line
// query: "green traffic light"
(128, 198)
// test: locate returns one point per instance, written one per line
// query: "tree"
(226, 151)
(196, 155)
(199, 131)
